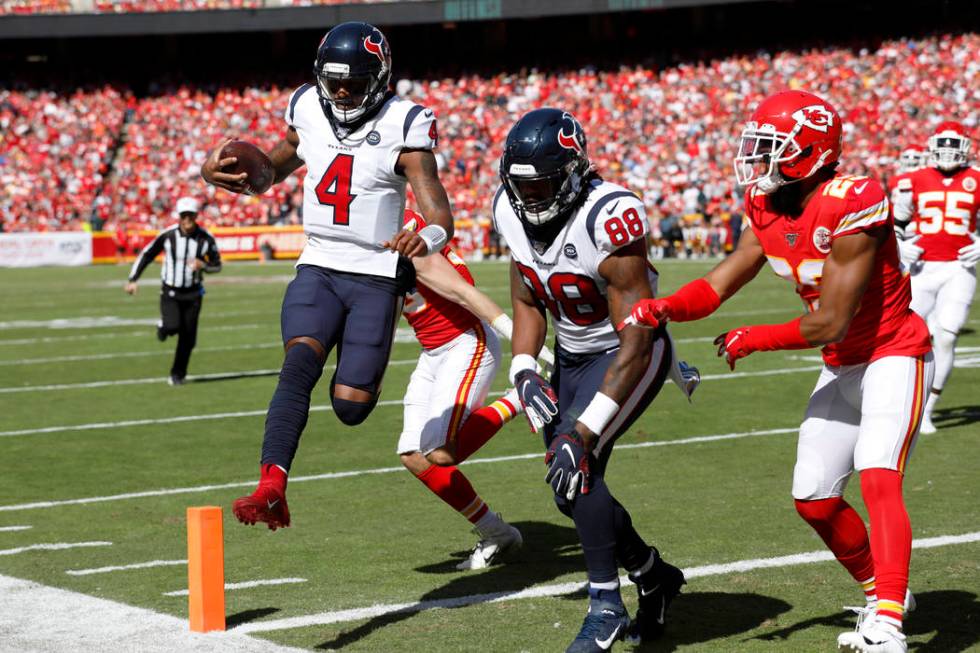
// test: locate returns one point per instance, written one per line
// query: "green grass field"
(77, 353)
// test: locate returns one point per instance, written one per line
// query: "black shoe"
(161, 336)
(655, 589)
(605, 624)
(175, 380)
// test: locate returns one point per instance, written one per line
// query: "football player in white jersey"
(578, 247)
(361, 144)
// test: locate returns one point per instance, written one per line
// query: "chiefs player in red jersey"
(937, 207)
(831, 236)
(445, 420)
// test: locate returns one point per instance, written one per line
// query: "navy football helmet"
(545, 167)
(352, 68)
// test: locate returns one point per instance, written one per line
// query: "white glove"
(909, 252)
(970, 254)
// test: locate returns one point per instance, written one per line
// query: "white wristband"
(503, 325)
(435, 238)
(520, 363)
(599, 413)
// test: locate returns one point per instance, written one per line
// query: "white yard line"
(246, 585)
(136, 565)
(141, 381)
(42, 619)
(11, 529)
(141, 333)
(379, 470)
(54, 387)
(253, 413)
(56, 546)
(558, 589)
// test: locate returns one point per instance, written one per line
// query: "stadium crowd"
(29, 7)
(669, 134)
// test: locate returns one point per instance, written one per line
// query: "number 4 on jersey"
(333, 189)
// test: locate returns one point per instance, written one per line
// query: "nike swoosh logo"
(427, 113)
(569, 451)
(606, 643)
(642, 593)
(612, 208)
(860, 189)
(271, 504)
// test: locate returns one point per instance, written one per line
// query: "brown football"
(253, 162)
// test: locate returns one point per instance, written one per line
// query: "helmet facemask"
(761, 151)
(948, 150)
(540, 198)
(350, 96)
(910, 160)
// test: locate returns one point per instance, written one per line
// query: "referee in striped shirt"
(188, 252)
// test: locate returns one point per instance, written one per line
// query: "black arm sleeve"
(212, 257)
(149, 253)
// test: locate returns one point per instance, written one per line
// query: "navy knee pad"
(352, 413)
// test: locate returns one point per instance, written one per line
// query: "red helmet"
(949, 146)
(790, 136)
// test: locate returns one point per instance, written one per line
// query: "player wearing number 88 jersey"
(578, 248)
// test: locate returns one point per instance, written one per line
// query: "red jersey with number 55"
(797, 248)
(944, 208)
(436, 320)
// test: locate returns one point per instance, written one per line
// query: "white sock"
(931, 402)
(489, 523)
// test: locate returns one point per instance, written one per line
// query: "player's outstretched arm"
(703, 296)
(438, 274)
(625, 272)
(149, 253)
(846, 274)
(420, 167)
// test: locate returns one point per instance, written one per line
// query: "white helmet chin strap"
(346, 116)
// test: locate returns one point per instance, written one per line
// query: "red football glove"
(647, 313)
(733, 345)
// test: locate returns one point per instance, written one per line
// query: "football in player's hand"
(253, 162)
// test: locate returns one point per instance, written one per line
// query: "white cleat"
(927, 427)
(491, 546)
(872, 636)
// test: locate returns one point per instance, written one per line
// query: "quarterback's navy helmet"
(352, 68)
(545, 166)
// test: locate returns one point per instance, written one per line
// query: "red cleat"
(268, 502)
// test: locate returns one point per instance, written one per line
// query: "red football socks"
(843, 531)
(449, 484)
(273, 476)
(482, 425)
(891, 540)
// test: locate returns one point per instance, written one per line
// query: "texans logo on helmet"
(815, 116)
(570, 141)
(377, 49)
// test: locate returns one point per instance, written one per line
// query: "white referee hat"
(187, 205)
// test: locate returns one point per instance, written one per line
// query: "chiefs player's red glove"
(691, 302)
(740, 342)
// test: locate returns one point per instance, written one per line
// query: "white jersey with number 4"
(353, 199)
(565, 278)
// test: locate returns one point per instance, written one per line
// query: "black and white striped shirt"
(178, 252)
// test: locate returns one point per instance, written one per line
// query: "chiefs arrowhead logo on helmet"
(375, 48)
(815, 116)
(571, 141)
